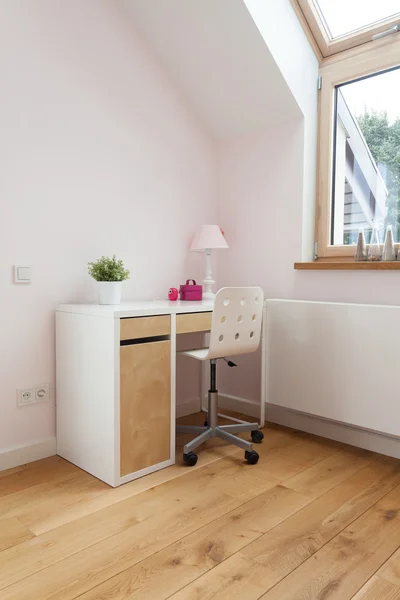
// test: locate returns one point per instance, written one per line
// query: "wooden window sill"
(343, 265)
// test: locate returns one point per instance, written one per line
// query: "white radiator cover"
(336, 361)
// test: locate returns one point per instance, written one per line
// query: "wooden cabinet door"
(145, 415)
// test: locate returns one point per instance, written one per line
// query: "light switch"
(22, 274)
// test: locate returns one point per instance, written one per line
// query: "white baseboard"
(348, 434)
(240, 405)
(17, 456)
(226, 401)
(341, 432)
(187, 408)
(334, 430)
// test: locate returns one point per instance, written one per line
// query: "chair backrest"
(236, 321)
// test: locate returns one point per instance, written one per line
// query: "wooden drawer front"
(145, 403)
(142, 327)
(193, 322)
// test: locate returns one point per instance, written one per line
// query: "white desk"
(116, 370)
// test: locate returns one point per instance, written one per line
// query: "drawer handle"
(145, 340)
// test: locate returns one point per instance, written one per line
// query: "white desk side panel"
(338, 361)
(85, 366)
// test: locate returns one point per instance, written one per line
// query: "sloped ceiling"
(215, 54)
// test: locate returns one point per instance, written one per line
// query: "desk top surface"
(140, 308)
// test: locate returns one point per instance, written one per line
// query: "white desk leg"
(173, 386)
(203, 375)
(263, 366)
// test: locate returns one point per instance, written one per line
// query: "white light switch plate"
(22, 274)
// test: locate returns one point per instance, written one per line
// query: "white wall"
(293, 54)
(217, 55)
(98, 154)
(260, 180)
(101, 154)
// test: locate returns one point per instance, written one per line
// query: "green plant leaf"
(108, 269)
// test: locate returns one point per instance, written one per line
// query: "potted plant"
(109, 274)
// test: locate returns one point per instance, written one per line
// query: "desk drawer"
(192, 322)
(144, 327)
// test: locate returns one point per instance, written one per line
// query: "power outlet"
(25, 397)
(39, 393)
(42, 393)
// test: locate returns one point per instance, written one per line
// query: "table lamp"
(208, 238)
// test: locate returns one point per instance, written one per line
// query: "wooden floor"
(315, 519)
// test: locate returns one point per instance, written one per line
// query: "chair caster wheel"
(251, 457)
(190, 459)
(257, 436)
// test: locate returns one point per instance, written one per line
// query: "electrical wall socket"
(42, 392)
(25, 397)
(39, 393)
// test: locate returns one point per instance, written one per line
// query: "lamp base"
(208, 295)
(208, 281)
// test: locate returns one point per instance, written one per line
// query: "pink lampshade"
(208, 236)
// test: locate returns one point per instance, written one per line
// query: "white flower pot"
(109, 292)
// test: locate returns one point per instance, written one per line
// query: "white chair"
(235, 329)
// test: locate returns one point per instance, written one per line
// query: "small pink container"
(191, 291)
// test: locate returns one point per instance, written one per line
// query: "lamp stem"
(208, 281)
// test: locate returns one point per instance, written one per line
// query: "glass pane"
(366, 170)
(344, 16)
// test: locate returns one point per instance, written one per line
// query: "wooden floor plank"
(314, 519)
(282, 549)
(9, 472)
(280, 458)
(378, 589)
(36, 504)
(59, 544)
(164, 573)
(91, 503)
(12, 533)
(236, 578)
(96, 563)
(345, 564)
(34, 473)
(391, 569)
(319, 478)
(299, 537)
(304, 452)
(175, 499)
(78, 535)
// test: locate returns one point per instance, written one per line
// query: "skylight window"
(338, 25)
(345, 16)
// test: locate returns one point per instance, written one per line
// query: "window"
(346, 16)
(366, 152)
(358, 44)
(338, 25)
(359, 149)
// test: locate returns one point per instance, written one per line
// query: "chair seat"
(199, 354)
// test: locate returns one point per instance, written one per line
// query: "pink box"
(191, 291)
